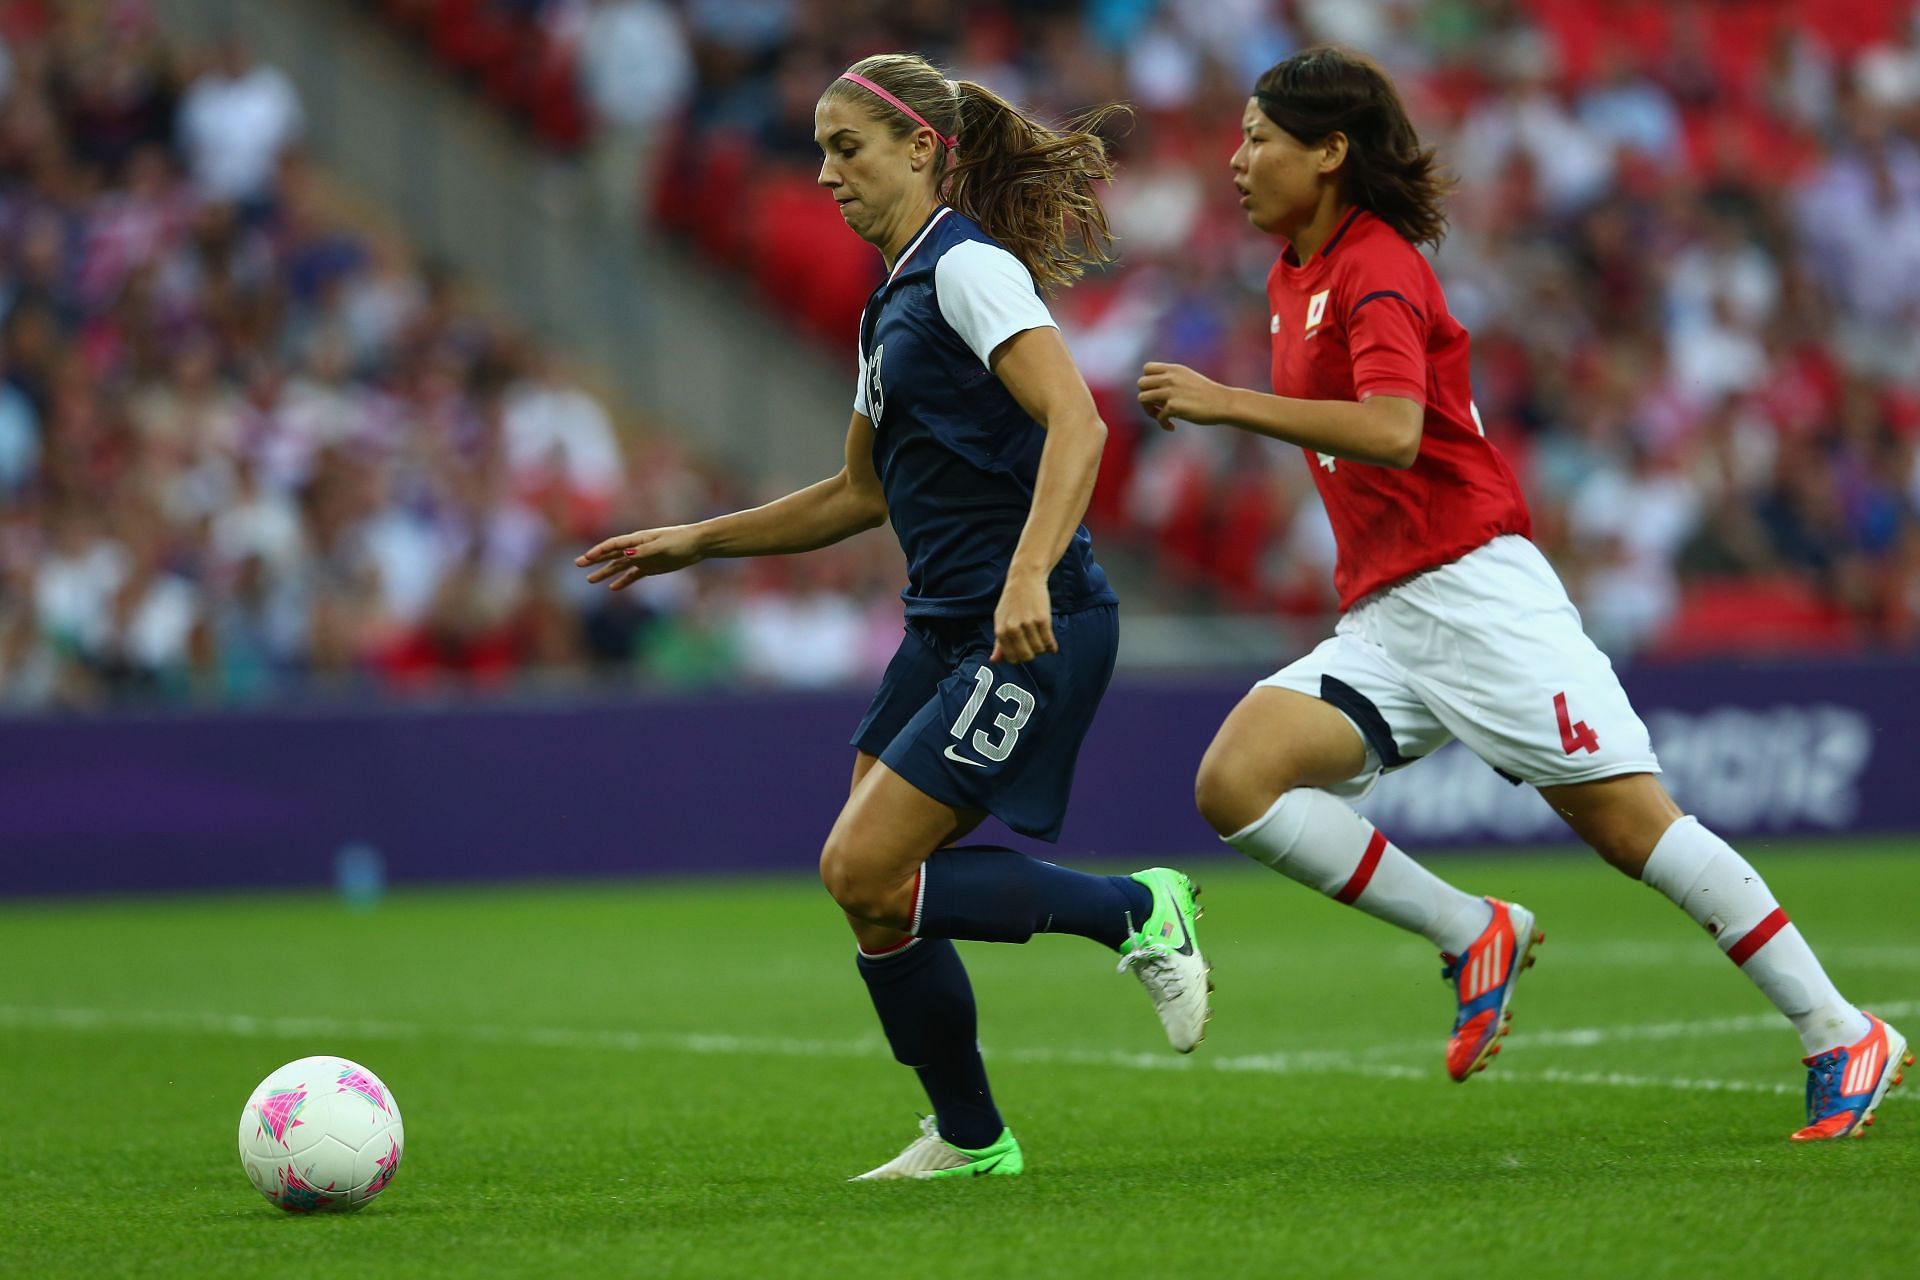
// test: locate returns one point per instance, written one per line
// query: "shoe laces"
(1823, 1084)
(929, 1131)
(1153, 963)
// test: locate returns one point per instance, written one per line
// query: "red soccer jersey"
(1366, 317)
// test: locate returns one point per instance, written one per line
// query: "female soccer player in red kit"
(1453, 624)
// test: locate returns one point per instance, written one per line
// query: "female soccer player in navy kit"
(1454, 625)
(974, 434)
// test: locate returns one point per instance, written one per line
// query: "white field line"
(1308, 1062)
(1583, 1037)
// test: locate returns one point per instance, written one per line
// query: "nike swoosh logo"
(955, 755)
(986, 1166)
(1186, 936)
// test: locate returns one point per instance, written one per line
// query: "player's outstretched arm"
(820, 514)
(1383, 430)
(1037, 369)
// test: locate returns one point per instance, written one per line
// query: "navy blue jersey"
(955, 452)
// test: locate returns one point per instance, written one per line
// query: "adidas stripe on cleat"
(931, 1156)
(1483, 979)
(1845, 1085)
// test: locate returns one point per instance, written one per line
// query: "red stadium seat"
(559, 117)
(806, 261)
(1848, 26)
(710, 204)
(456, 33)
(1755, 617)
(1247, 523)
(1184, 539)
(1107, 510)
(24, 22)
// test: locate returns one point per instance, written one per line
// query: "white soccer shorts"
(1488, 650)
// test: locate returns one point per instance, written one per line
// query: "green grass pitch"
(674, 1079)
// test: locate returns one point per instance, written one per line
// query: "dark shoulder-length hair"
(1328, 89)
(1031, 186)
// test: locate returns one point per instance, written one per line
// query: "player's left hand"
(1023, 621)
(1169, 391)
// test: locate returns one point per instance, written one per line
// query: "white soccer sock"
(1315, 838)
(1723, 893)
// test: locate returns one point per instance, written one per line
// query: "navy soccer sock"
(988, 894)
(926, 1007)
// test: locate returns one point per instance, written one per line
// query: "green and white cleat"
(1165, 956)
(931, 1156)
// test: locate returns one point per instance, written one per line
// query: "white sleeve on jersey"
(987, 296)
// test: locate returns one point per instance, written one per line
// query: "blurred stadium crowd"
(249, 442)
(249, 445)
(1686, 240)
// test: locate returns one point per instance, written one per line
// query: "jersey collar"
(1292, 259)
(914, 244)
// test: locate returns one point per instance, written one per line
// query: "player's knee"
(837, 874)
(1230, 795)
(857, 891)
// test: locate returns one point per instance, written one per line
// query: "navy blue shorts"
(1000, 737)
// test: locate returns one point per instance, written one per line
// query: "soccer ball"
(321, 1134)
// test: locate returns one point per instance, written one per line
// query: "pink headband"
(911, 114)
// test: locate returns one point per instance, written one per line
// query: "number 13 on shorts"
(1009, 723)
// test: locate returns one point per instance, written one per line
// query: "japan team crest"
(1317, 309)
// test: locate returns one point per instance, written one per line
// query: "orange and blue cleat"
(1483, 979)
(1844, 1085)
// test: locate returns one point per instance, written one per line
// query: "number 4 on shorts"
(1574, 734)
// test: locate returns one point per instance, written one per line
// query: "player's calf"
(1316, 838)
(1723, 893)
(1621, 818)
